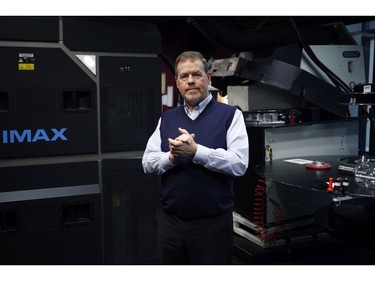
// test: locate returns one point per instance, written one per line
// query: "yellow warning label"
(26, 66)
(20, 60)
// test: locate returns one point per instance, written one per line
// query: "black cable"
(332, 76)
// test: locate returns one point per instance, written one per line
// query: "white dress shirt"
(233, 160)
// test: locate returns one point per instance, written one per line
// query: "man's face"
(192, 82)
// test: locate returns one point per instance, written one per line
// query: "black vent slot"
(4, 101)
(77, 101)
(8, 220)
(76, 213)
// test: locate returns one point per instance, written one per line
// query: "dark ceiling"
(226, 36)
(220, 36)
(251, 22)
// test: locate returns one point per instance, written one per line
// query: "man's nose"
(190, 79)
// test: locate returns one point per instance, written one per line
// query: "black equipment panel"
(111, 35)
(47, 104)
(244, 187)
(23, 28)
(130, 101)
(52, 214)
(130, 199)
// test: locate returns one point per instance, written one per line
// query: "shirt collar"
(199, 108)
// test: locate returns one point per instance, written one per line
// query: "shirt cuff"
(166, 164)
(201, 155)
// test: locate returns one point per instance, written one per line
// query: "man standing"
(198, 148)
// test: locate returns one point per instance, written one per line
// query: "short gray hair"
(191, 55)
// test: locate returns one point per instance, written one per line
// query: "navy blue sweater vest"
(190, 190)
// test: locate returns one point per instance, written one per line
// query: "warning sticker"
(26, 61)
(26, 66)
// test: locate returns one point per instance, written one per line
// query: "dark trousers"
(206, 241)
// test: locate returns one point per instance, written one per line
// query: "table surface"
(297, 175)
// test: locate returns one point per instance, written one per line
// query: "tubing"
(259, 213)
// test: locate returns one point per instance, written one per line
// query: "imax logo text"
(12, 136)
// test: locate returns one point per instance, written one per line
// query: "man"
(198, 148)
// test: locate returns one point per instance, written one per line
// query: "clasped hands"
(183, 145)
